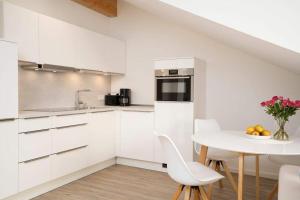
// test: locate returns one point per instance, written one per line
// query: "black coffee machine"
(124, 97)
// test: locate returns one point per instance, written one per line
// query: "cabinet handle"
(34, 159)
(62, 115)
(37, 117)
(36, 131)
(69, 126)
(100, 111)
(66, 151)
(7, 119)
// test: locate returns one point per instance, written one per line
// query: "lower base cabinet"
(136, 135)
(67, 162)
(8, 158)
(34, 172)
(102, 136)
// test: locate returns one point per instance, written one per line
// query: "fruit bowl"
(258, 132)
(259, 137)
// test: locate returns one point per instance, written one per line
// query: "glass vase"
(281, 134)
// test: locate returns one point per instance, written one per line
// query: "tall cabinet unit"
(20, 26)
(8, 123)
(8, 80)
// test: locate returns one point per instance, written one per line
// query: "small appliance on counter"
(124, 97)
(112, 100)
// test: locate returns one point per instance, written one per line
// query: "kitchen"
(134, 69)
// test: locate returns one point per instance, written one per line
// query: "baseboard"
(46, 187)
(141, 164)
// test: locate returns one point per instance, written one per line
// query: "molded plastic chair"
(192, 175)
(215, 157)
(289, 183)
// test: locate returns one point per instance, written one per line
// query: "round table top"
(238, 141)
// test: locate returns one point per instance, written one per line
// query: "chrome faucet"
(79, 104)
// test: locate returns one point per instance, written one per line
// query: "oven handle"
(173, 77)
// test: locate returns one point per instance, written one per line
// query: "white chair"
(192, 175)
(289, 183)
(215, 157)
(283, 160)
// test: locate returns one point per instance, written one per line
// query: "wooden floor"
(127, 183)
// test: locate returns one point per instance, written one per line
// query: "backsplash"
(52, 90)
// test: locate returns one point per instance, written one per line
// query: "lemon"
(250, 130)
(266, 133)
(259, 128)
(255, 133)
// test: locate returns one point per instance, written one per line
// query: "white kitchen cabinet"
(67, 162)
(8, 80)
(102, 136)
(35, 124)
(21, 26)
(8, 158)
(136, 137)
(34, 172)
(175, 63)
(73, 46)
(114, 55)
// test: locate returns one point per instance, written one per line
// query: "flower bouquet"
(281, 109)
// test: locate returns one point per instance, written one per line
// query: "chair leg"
(229, 176)
(196, 193)
(178, 192)
(203, 193)
(218, 169)
(210, 186)
(188, 191)
(273, 192)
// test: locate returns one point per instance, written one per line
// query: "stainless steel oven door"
(174, 88)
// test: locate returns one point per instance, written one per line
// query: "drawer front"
(33, 124)
(33, 173)
(70, 120)
(68, 162)
(70, 137)
(34, 145)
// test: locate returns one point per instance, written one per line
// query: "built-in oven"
(174, 84)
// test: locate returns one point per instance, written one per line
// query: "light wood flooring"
(128, 183)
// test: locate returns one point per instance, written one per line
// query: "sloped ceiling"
(278, 53)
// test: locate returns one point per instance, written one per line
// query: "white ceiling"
(265, 50)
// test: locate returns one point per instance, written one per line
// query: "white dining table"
(238, 141)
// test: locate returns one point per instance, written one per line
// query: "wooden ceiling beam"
(105, 7)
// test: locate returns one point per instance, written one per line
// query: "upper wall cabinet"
(65, 44)
(21, 26)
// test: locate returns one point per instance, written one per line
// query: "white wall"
(272, 21)
(236, 81)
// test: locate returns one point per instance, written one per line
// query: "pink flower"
(263, 104)
(297, 103)
(280, 98)
(284, 103)
(272, 102)
(275, 98)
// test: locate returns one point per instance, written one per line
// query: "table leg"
(257, 178)
(241, 176)
(203, 154)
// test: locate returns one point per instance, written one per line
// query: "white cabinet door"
(68, 45)
(102, 138)
(8, 80)
(8, 158)
(114, 55)
(137, 138)
(21, 26)
(175, 120)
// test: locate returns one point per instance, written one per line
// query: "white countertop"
(239, 142)
(36, 114)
